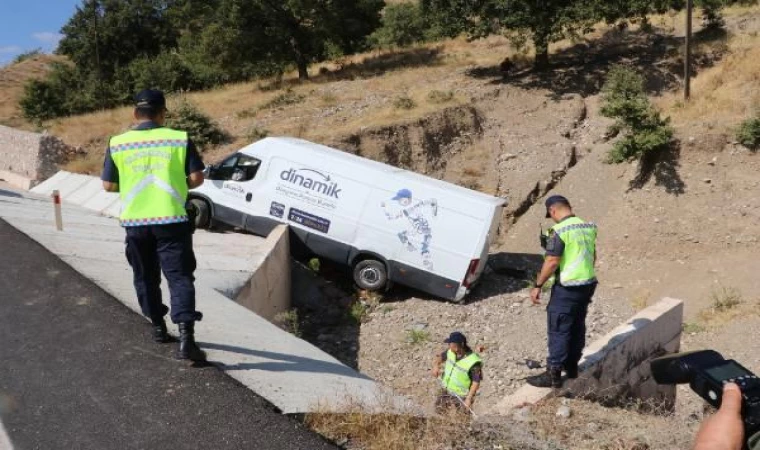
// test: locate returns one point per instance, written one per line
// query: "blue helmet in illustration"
(403, 193)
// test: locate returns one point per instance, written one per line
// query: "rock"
(592, 427)
(506, 157)
(712, 163)
(707, 181)
(532, 364)
(419, 326)
(522, 414)
(564, 412)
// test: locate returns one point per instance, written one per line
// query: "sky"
(30, 24)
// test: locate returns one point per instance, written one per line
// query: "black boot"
(552, 378)
(188, 349)
(160, 334)
(571, 372)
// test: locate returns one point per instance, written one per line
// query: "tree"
(644, 130)
(402, 25)
(108, 34)
(542, 21)
(307, 29)
(613, 10)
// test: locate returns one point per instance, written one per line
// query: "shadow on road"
(284, 362)
(5, 193)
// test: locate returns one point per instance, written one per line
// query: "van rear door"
(478, 264)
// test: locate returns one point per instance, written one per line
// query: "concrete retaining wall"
(267, 293)
(617, 365)
(27, 158)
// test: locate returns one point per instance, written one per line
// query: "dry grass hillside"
(12, 80)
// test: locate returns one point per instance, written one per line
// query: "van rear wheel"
(202, 213)
(370, 275)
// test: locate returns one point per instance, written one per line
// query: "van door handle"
(248, 197)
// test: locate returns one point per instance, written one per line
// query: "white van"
(387, 224)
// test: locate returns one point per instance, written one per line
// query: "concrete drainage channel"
(292, 374)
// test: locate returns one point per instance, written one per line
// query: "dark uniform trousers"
(153, 248)
(566, 313)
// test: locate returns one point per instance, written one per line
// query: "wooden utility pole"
(687, 58)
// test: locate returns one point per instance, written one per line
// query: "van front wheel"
(370, 275)
(202, 213)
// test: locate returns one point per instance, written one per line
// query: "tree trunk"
(301, 60)
(541, 42)
(303, 69)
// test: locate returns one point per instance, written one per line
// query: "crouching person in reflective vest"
(461, 375)
(152, 168)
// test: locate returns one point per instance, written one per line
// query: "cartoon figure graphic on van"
(417, 233)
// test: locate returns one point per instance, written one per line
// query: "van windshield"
(238, 167)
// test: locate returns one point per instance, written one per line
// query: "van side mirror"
(211, 172)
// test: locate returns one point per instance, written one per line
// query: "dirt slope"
(12, 80)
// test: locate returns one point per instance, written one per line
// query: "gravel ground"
(400, 339)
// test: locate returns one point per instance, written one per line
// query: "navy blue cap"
(456, 338)
(150, 99)
(553, 200)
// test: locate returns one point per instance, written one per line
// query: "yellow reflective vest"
(456, 374)
(152, 179)
(576, 266)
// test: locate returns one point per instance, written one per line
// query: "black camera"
(707, 372)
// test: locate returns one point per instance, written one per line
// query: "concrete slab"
(102, 201)
(616, 365)
(67, 184)
(294, 375)
(47, 186)
(91, 188)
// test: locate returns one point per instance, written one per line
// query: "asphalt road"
(79, 371)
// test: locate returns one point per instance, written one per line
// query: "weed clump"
(748, 133)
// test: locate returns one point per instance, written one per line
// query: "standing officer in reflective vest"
(152, 167)
(461, 376)
(570, 258)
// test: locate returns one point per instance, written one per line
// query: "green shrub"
(624, 99)
(711, 14)
(27, 55)
(290, 322)
(359, 312)
(255, 133)
(402, 25)
(202, 130)
(725, 298)
(41, 101)
(404, 102)
(415, 336)
(287, 98)
(748, 133)
(440, 96)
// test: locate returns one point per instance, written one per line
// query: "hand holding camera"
(725, 384)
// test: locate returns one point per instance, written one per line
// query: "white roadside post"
(57, 208)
